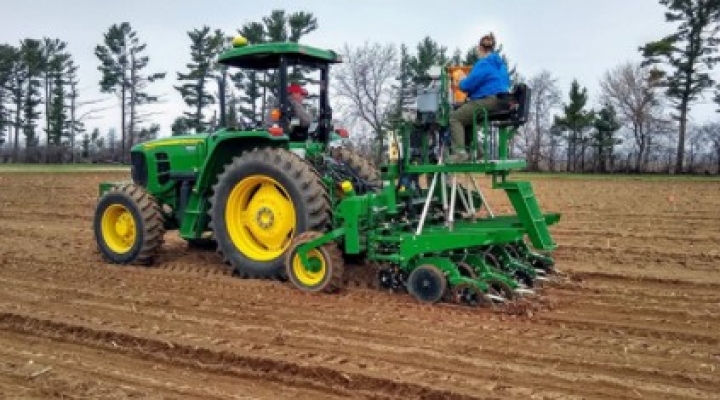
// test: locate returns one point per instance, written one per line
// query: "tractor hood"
(184, 140)
(268, 55)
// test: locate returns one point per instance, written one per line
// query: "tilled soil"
(636, 314)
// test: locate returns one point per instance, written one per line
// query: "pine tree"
(57, 112)
(223, 77)
(429, 53)
(86, 145)
(258, 89)
(204, 48)
(606, 124)
(684, 58)
(457, 58)
(31, 61)
(248, 82)
(148, 133)
(114, 64)
(299, 25)
(139, 95)
(57, 67)
(112, 142)
(75, 125)
(232, 114)
(121, 64)
(7, 61)
(281, 27)
(404, 87)
(575, 123)
(181, 126)
(54, 63)
(16, 84)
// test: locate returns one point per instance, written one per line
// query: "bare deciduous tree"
(711, 131)
(365, 83)
(632, 90)
(534, 138)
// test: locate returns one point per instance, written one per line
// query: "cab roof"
(267, 55)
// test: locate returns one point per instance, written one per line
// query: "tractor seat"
(514, 107)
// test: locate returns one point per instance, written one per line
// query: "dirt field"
(638, 315)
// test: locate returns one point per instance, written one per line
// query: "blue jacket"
(489, 76)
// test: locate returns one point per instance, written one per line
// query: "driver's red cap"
(295, 88)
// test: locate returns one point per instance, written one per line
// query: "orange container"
(458, 73)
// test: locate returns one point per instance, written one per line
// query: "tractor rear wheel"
(128, 225)
(365, 169)
(262, 200)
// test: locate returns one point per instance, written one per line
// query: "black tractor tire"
(365, 169)
(128, 225)
(291, 182)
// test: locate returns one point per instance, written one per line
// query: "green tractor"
(280, 201)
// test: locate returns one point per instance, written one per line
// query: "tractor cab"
(289, 63)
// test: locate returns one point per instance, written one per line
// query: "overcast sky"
(570, 38)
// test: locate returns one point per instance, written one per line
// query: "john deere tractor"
(280, 201)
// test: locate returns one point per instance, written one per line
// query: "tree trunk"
(16, 149)
(680, 161)
(253, 99)
(222, 87)
(263, 110)
(534, 154)
(639, 159)
(122, 125)
(48, 90)
(73, 94)
(569, 155)
(198, 110)
(133, 101)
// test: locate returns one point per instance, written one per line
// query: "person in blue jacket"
(488, 78)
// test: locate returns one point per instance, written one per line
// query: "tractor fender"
(222, 147)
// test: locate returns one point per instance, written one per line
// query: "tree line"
(640, 124)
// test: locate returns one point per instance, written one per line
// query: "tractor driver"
(488, 78)
(297, 96)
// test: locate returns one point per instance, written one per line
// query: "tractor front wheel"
(261, 202)
(128, 225)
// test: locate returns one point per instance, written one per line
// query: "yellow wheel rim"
(260, 218)
(118, 228)
(310, 276)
